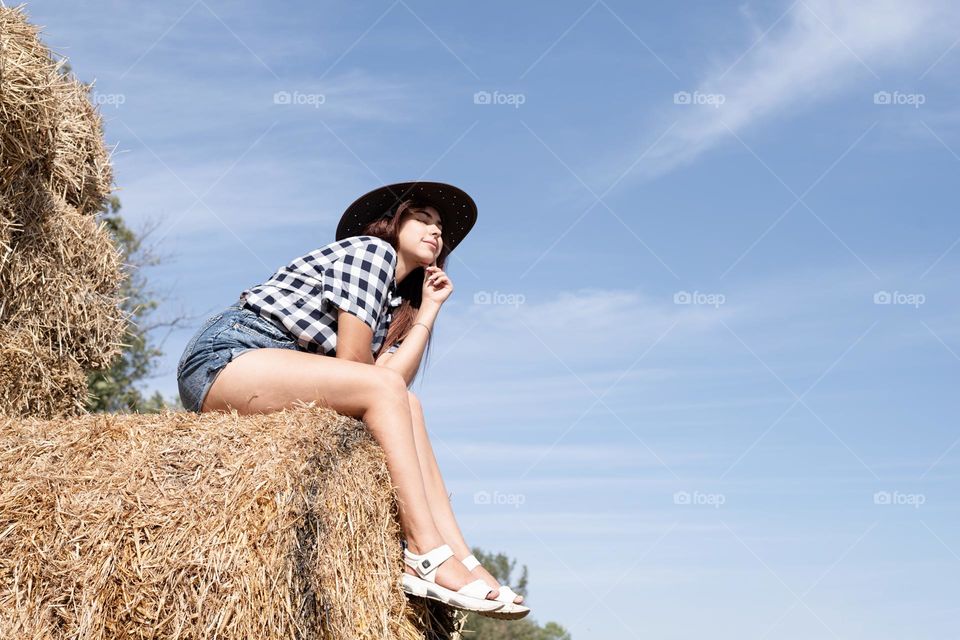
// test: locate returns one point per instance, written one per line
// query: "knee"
(391, 383)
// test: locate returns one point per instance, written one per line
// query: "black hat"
(457, 210)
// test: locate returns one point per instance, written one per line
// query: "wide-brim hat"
(457, 210)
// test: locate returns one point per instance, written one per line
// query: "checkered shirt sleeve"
(354, 274)
(358, 282)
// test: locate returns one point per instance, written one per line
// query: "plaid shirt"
(355, 274)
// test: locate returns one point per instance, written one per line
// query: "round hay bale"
(61, 279)
(35, 381)
(48, 127)
(81, 171)
(28, 103)
(73, 322)
(57, 242)
(179, 525)
(60, 272)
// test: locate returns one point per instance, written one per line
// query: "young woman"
(380, 283)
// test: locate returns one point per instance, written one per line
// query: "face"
(421, 234)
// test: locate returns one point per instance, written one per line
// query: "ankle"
(423, 544)
(461, 551)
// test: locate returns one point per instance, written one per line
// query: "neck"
(404, 267)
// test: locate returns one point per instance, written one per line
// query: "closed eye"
(426, 219)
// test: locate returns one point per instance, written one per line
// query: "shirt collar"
(394, 299)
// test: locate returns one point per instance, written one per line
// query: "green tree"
(482, 628)
(114, 390)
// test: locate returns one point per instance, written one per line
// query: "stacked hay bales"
(202, 526)
(173, 525)
(60, 272)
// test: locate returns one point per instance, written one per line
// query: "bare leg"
(437, 495)
(266, 380)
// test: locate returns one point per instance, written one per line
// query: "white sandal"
(470, 597)
(511, 610)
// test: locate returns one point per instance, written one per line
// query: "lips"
(432, 244)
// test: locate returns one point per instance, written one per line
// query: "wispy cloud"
(815, 50)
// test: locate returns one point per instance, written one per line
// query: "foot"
(483, 574)
(452, 574)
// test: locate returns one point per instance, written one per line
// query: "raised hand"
(436, 285)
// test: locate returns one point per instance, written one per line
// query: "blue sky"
(696, 370)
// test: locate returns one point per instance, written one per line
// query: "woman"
(380, 283)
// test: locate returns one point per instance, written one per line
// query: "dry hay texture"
(34, 381)
(202, 526)
(61, 274)
(48, 127)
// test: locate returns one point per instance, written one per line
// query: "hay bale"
(181, 525)
(81, 172)
(60, 271)
(61, 279)
(57, 238)
(28, 103)
(48, 126)
(36, 381)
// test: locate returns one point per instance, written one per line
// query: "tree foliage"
(115, 390)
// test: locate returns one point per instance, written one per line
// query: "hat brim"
(457, 210)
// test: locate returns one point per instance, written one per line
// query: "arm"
(354, 338)
(356, 286)
(406, 359)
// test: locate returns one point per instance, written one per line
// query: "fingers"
(437, 278)
(436, 281)
(433, 273)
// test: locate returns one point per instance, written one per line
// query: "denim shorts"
(219, 340)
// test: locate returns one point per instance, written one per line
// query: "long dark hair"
(411, 289)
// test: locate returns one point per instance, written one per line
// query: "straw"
(182, 525)
(60, 271)
(48, 126)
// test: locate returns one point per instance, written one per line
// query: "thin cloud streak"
(819, 49)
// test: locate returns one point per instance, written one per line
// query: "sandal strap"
(507, 594)
(476, 589)
(426, 564)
